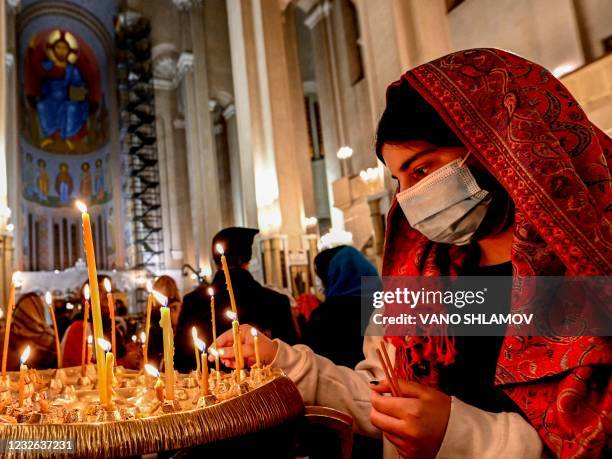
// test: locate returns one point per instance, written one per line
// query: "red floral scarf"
(532, 135)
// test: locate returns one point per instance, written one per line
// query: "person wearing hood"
(333, 329)
(263, 308)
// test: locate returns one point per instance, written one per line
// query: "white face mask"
(446, 206)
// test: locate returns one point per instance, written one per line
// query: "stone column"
(328, 92)
(238, 199)
(3, 106)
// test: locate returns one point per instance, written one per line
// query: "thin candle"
(194, 335)
(49, 301)
(215, 355)
(89, 349)
(86, 295)
(7, 326)
(256, 345)
(166, 325)
(23, 369)
(213, 319)
(145, 342)
(111, 307)
(228, 280)
(109, 361)
(90, 256)
(159, 385)
(237, 344)
(204, 380)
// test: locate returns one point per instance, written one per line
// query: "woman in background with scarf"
(499, 172)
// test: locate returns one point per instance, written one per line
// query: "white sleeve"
(322, 382)
(472, 432)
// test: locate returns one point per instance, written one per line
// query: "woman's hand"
(416, 422)
(225, 343)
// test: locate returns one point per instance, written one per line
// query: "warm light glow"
(134, 338)
(213, 352)
(143, 337)
(86, 292)
(17, 279)
(200, 344)
(231, 315)
(89, 339)
(206, 271)
(48, 298)
(81, 206)
(25, 355)
(1, 313)
(194, 334)
(219, 248)
(149, 285)
(69, 306)
(10, 227)
(160, 298)
(253, 332)
(151, 370)
(211, 291)
(104, 344)
(107, 285)
(344, 152)
(334, 238)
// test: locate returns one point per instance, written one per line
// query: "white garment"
(471, 432)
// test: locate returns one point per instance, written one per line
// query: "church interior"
(133, 131)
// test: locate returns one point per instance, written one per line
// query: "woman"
(340, 270)
(29, 327)
(167, 287)
(518, 125)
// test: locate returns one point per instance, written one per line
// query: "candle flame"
(219, 248)
(17, 279)
(160, 298)
(48, 298)
(143, 337)
(134, 338)
(81, 206)
(211, 292)
(231, 315)
(104, 344)
(194, 334)
(2, 313)
(149, 286)
(200, 344)
(86, 292)
(89, 339)
(69, 306)
(253, 332)
(213, 352)
(151, 370)
(107, 285)
(25, 355)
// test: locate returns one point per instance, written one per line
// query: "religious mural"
(64, 107)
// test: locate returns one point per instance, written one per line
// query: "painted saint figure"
(29, 176)
(64, 184)
(99, 181)
(86, 185)
(42, 181)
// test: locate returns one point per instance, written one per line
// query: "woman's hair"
(167, 287)
(410, 117)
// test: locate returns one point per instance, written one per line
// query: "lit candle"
(145, 342)
(204, 380)
(194, 335)
(134, 338)
(23, 369)
(85, 344)
(215, 355)
(159, 385)
(89, 349)
(90, 256)
(228, 280)
(7, 325)
(237, 344)
(111, 307)
(213, 319)
(166, 326)
(109, 361)
(256, 344)
(49, 301)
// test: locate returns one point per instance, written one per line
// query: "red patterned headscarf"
(530, 133)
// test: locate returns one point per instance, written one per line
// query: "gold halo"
(54, 36)
(72, 58)
(71, 41)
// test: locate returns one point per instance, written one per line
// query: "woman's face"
(175, 311)
(412, 161)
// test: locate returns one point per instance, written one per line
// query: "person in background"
(29, 327)
(128, 355)
(265, 309)
(340, 270)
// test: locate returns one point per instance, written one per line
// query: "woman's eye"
(420, 172)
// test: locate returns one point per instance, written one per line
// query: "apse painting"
(64, 107)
